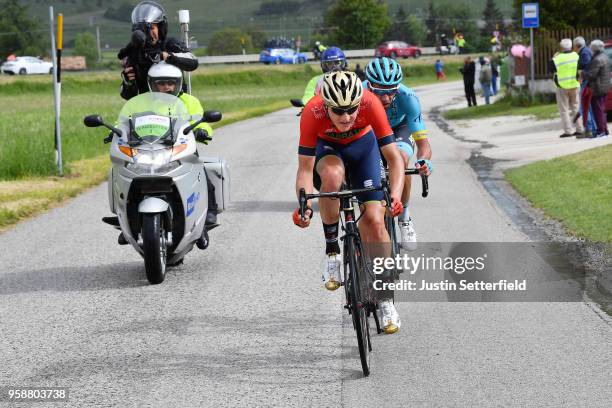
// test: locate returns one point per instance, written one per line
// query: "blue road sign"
(531, 15)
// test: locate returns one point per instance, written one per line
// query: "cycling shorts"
(361, 160)
(404, 139)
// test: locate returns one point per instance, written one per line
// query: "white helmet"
(162, 72)
(341, 89)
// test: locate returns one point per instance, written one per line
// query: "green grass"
(504, 106)
(575, 189)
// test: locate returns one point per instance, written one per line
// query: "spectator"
(565, 67)
(460, 41)
(360, 72)
(494, 76)
(485, 78)
(439, 66)
(598, 76)
(586, 94)
(469, 75)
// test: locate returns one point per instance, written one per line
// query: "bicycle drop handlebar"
(424, 181)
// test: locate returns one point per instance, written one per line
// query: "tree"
(416, 30)
(229, 41)
(493, 18)
(563, 14)
(21, 34)
(258, 37)
(85, 45)
(398, 30)
(357, 23)
(432, 23)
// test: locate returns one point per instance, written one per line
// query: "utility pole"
(184, 20)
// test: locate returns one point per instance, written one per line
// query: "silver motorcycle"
(157, 182)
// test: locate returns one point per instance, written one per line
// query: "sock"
(331, 238)
(405, 215)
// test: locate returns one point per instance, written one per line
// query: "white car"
(26, 65)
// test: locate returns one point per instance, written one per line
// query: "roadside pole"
(56, 55)
(531, 20)
(184, 21)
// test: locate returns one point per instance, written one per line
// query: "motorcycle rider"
(384, 79)
(149, 45)
(332, 59)
(166, 78)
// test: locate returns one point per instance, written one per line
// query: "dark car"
(394, 49)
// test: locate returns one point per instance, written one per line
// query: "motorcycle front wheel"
(154, 247)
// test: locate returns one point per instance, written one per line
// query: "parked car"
(282, 56)
(26, 65)
(608, 52)
(394, 49)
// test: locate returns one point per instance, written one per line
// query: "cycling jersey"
(405, 109)
(312, 88)
(315, 124)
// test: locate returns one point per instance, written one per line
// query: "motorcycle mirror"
(212, 116)
(297, 103)
(93, 121)
(96, 121)
(209, 116)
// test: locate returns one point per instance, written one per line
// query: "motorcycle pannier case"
(217, 170)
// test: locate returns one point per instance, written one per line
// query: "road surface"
(247, 322)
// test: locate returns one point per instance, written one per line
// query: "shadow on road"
(111, 276)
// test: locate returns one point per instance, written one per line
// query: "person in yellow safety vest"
(460, 41)
(167, 78)
(564, 64)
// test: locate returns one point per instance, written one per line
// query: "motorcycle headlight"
(153, 162)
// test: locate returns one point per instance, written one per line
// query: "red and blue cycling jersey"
(315, 124)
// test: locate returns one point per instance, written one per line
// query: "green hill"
(303, 18)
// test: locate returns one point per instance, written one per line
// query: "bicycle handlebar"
(303, 198)
(424, 181)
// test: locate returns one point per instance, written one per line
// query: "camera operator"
(148, 46)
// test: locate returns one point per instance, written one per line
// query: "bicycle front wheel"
(358, 303)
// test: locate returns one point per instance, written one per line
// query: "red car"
(609, 97)
(394, 49)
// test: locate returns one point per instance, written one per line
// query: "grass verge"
(576, 190)
(541, 109)
(27, 167)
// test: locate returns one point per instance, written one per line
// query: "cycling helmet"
(333, 59)
(167, 73)
(384, 71)
(147, 12)
(341, 89)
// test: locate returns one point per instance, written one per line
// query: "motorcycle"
(157, 181)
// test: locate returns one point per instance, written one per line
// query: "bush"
(229, 41)
(85, 45)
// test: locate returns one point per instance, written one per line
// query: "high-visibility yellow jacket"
(566, 65)
(194, 107)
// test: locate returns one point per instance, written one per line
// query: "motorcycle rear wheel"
(154, 247)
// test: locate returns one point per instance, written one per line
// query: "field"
(28, 175)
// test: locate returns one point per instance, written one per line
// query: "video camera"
(141, 40)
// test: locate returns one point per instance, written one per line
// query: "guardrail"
(250, 58)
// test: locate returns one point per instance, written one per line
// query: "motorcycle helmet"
(147, 12)
(161, 75)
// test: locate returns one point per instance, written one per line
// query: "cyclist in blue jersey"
(332, 59)
(384, 79)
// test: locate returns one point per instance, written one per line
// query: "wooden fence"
(547, 44)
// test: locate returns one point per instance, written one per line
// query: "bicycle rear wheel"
(358, 304)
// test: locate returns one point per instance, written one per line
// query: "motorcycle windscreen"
(150, 109)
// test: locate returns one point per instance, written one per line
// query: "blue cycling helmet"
(384, 71)
(333, 59)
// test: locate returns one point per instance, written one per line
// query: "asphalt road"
(248, 323)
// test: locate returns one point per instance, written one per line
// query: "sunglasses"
(384, 91)
(342, 111)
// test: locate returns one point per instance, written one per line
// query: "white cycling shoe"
(408, 235)
(388, 317)
(331, 273)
